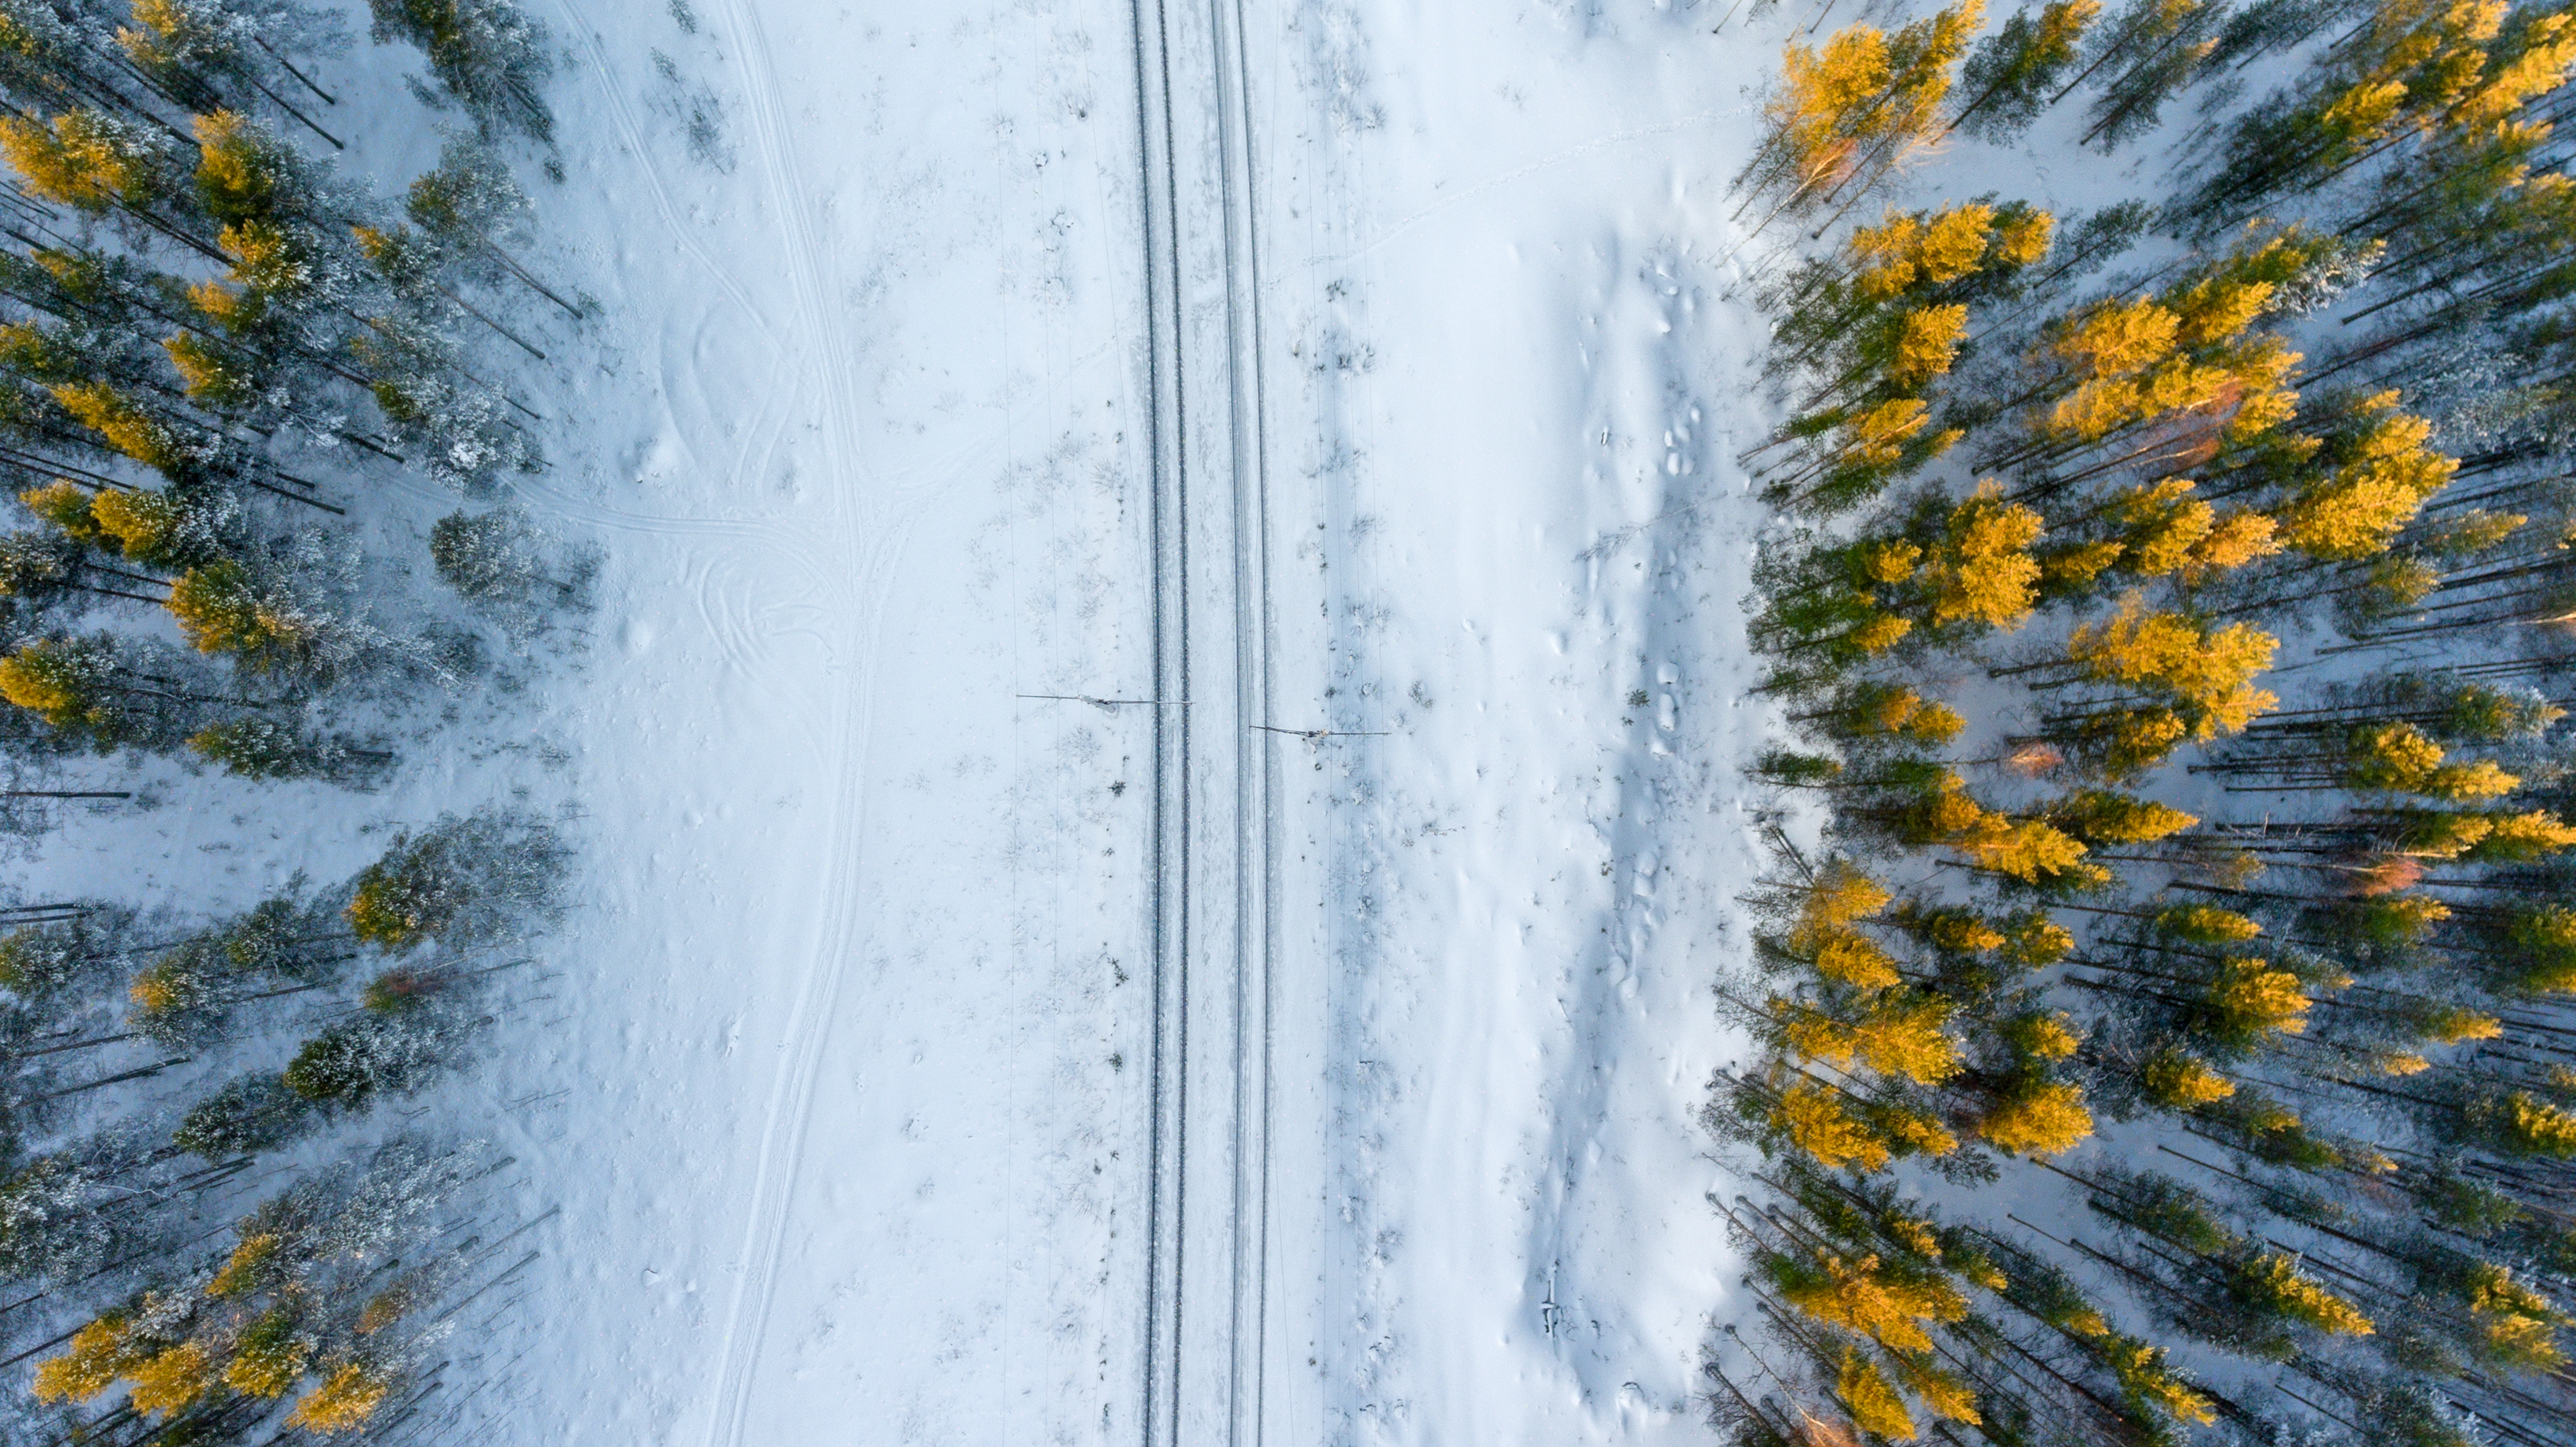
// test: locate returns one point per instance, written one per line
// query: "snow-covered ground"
(844, 1092)
(1520, 398)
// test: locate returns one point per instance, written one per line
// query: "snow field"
(850, 1155)
(1526, 389)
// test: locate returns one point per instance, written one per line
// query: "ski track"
(633, 136)
(887, 525)
(790, 1114)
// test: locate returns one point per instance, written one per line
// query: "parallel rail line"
(1214, 883)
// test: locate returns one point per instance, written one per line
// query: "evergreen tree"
(265, 748)
(298, 1302)
(2192, 501)
(488, 54)
(196, 300)
(104, 691)
(349, 1064)
(2012, 72)
(251, 1113)
(457, 882)
(2151, 50)
(491, 559)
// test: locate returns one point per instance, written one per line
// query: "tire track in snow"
(877, 552)
(787, 538)
(728, 613)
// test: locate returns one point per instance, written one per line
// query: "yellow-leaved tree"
(1981, 571)
(2038, 1118)
(2375, 478)
(2204, 672)
(1896, 1033)
(1845, 113)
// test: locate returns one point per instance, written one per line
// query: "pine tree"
(2419, 69)
(196, 299)
(295, 1302)
(265, 748)
(251, 1113)
(198, 50)
(489, 558)
(95, 690)
(2013, 71)
(460, 428)
(459, 881)
(2152, 50)
(467, 205)
(2329, 1005)
(488, 54)
(348, 1065)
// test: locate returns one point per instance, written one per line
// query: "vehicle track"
(1215, 882)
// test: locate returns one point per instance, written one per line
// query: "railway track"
(1215, 776)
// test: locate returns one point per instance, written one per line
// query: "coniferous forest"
(2171, 918)
(2168, 1040)
(221, 355)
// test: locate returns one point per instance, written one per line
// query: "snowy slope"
(843, 1099)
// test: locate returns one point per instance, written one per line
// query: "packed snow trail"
(944, 1058)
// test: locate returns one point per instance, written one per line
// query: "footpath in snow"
(858, 1135)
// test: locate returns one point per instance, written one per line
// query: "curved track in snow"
(623, 116)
